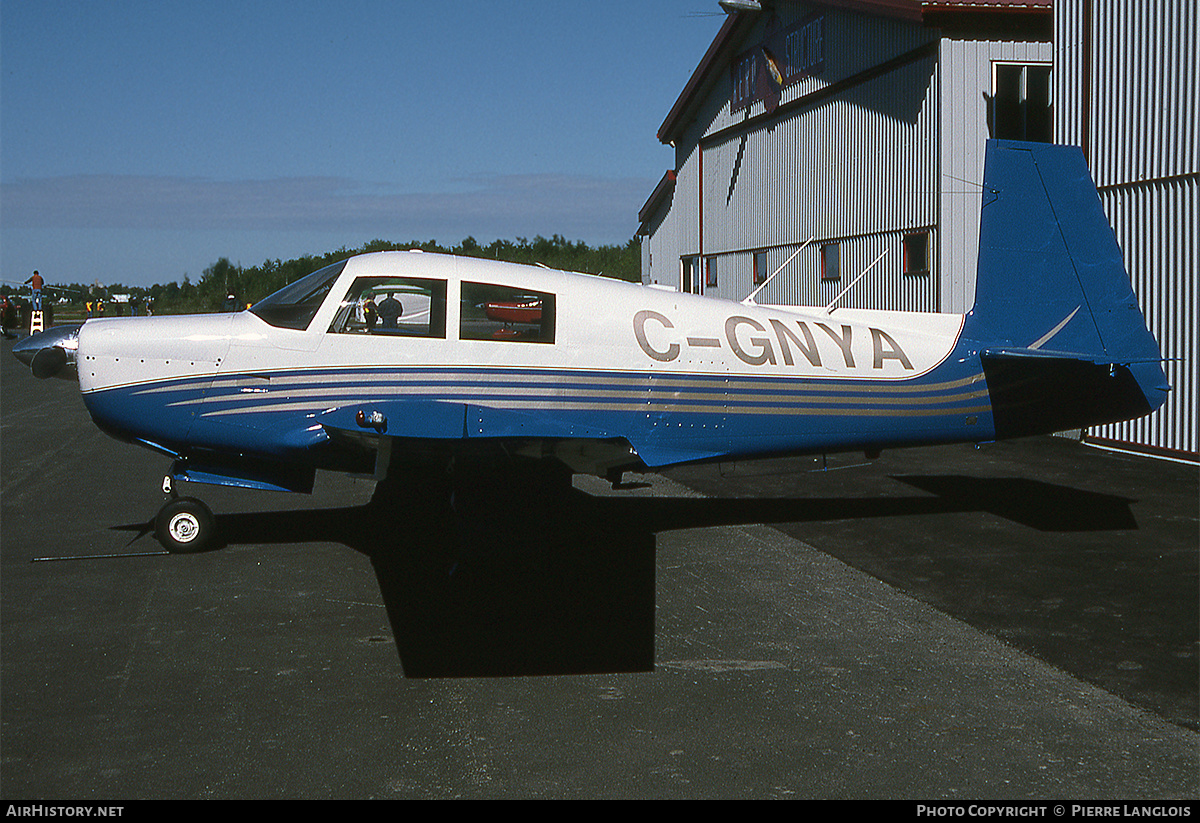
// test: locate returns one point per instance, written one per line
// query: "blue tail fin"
(1051, 283)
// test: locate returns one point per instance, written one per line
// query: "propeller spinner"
(50, 353)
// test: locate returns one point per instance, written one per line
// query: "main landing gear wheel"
(184, 525)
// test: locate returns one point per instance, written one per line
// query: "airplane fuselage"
(680, 377)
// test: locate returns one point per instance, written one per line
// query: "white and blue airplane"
(385, 362)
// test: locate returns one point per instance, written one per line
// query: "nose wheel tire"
(184, 525)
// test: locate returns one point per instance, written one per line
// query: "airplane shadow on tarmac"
(567, 585)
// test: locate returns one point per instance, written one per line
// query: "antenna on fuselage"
(829, 309)
(749, 301)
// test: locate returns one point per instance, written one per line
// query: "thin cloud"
(595, 209)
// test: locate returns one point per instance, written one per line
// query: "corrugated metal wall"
(800, 283)
(896, 150)
(860, 163)
(966, 81)
(660, 242)
(858, 167)
(1127, 84)
(1155, 224)
(679, 232)
(1071, 65)
(853, 43)
(1146, 86)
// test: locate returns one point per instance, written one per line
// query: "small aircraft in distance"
(400, 362)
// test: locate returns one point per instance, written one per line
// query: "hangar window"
(491, 312)
(831, 261)
(760, 268)
(916, 253)
(710, 272)
(1020, 107)
(390, 305)
(689, 274)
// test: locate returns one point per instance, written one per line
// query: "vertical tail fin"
(1052, 285)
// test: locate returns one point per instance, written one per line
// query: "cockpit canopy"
(295, 305)
(403, 305)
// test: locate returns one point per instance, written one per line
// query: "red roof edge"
(660, 191)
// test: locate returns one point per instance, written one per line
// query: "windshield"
(295, 305)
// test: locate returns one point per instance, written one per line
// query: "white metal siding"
(1069, 95)
(853, 43)
(1145, 82)
(859, 163)
(661, 242)
(857, 167)
(965, 75)
(1136, 112)
(1127, 87)
(1155, 224)
(800, 283)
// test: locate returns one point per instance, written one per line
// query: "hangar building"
(854, 130)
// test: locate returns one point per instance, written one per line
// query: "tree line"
(251, 284)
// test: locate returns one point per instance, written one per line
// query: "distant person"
(91, 306)
(8, 316)
(36, 284)
(231, 303)
(370, 313)
(390, 311)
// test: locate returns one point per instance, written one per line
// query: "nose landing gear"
(184, 525)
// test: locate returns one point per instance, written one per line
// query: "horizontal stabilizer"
(1013, 351)
(1039, 392)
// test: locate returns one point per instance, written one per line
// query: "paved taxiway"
(675, 649)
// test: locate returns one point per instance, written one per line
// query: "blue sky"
(141, 141)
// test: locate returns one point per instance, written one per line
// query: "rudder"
(1046, 254)
(1051, 287)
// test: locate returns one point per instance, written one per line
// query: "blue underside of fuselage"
(667, 417)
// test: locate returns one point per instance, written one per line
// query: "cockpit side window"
(295, 305)
(491, 312)
(392, 305)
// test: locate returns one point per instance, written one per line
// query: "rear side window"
(506, 313)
